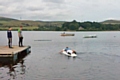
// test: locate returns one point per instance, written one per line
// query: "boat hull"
(90, 36)
(71, 55)
(67, 34)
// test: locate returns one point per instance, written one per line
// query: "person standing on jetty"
(9, 36)
(20, 37)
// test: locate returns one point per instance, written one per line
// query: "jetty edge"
(14, 52)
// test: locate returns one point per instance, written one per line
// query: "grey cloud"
(55, 4)
(60, 9)
(10, 2)
(10, 5)
(48, 17)
(54, 1)
(45, 10)
(35, 8)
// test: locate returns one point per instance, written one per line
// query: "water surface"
(98, 58)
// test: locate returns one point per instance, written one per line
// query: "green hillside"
(111, 22)
(30, 25)
(6, 19)
(27, 24)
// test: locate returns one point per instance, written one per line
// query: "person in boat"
(69, 51)
(66, 49)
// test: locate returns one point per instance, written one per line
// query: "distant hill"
(14, 22)
(6, 19)
(111, 22)
(28, 24)
(56, 25)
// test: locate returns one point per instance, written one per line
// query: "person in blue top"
(9, 36)
(67, 48)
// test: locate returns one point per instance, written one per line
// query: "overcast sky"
(61, 10)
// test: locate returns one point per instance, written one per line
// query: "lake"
(98, 58)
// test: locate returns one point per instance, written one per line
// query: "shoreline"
(62, 31)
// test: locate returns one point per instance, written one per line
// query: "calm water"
(98, 58)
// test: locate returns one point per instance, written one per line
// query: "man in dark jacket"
(9, 36)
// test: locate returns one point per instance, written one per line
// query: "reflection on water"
(12, 68)
(11, 72)
(23, 67)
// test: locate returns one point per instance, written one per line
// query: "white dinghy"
(70, 53)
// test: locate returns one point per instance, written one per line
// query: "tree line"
(89, 26)
(81, 26)
(73, 26)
